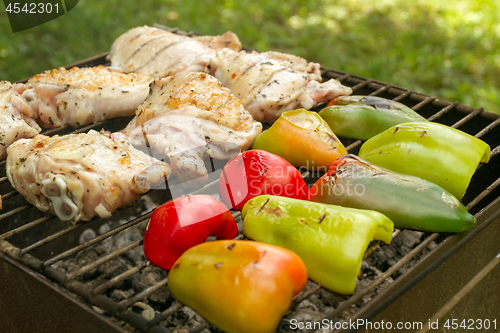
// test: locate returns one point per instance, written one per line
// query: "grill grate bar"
(402, 96)
(146, 292)
(103, 259)
(467, 118)
(26, 227)
(9, 195)
(426, 101)
(3, 180)
(343, 77)
(380, 90)
(361, 85)
(495, 152)
(174, 307)
(55, 130)
(444, 110)
(119, 278)
(354, 145)
(199, 328)
(357, 296)
(304, 295)
(87, 128)
(483, 194)
(49, 239)
(488, 128)
(14, 211)
(112, 232)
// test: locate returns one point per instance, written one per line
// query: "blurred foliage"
(446, 49)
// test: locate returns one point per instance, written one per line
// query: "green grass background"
(449, 49)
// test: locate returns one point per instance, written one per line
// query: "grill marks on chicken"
(161, 53)
(16, 117)
(189, 115)
(81, 96)
(271, 83)
(79, 176)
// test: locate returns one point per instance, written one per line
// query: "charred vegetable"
(362, 117)
(183, 223)
(330, 239)
(443, 155)
(302, 138)
(410, 202)
(239, 286)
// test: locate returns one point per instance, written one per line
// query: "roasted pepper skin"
(302, 138)
(410, 202)
(443, 155)
(239, 286)
(362, 117)
(331, 240)
(256, 172)
(185, 222)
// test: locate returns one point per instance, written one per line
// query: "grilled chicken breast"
(189, 115)
(16, 118)
(81, 96)
(161, 53)
(79, 176)
(271, 83)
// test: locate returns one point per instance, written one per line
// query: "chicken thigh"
(81, 96)
(16, 118)
(161, 53)
(189, 115)
(79, 176)
(271, 83)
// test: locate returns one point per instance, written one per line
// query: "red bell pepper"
(257, 172)
(182, 223)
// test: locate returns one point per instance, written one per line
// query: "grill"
(92, 277)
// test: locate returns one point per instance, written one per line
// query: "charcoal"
(113, 267)
(432, 245)
(119, 295)
(161, 296)
(330, 298)
(406, 241)
(383, 258)
(148, 277)
(87, 235)
(183, 320)
(213, 329)
(317, 301)
(307, 304)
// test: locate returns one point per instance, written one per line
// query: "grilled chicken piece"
(16, 117)
(79, 176)
(189, 115)
(161, 53)
(271, 83)
(81, 96)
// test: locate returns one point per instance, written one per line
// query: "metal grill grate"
(40, 242)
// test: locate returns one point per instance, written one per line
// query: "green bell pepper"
(302, 138)
(410, 202)
(331, 240)
(443, 155)
(362, 117)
